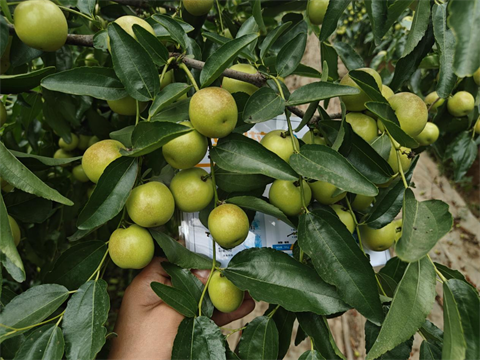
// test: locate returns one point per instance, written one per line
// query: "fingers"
(246, 308)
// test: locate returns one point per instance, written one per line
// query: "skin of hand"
(146, 326)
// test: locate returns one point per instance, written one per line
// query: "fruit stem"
(220, 15)
(77, 13)
(212, 172)
(273, 311)
(440, 275)
(214, 262)
(97, 270)
(189, 75)
(400, 168)
(311, 344)
(138, 113)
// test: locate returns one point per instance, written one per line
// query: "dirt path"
(459, 249)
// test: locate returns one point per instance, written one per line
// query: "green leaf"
(463, 152)
(176, 112)
(256, 204)
(257, 14)
(289, 57)
(157, 51)
(446, 47)
(330, 58)
(319, 91)
(419, 26)
(311, 355)
(124, 135)
(430, 351)
(184, 280)
(349, 56)
(150, 136)
(16, 84)
(46, 342)
(199, 338)
(222, 58)
(334, 12)
(179, 300)
(319, 162)
(389, 119)
(167, 96)
(454, 344)
(382, 145)
(463, 19)
(284, 321)
(259, 340)
(263, 105)
(296, 287)
(87, 6)
(28, 208)
(392, 272)
(14, 172)
(176, 30)
(43, 159)
(412, 302)
(424, 223)
(389, 201)
(30, 307)
(468, 305)
(368, 84)
(340, 262)
(84, 319)
(75, 265)
(452, 274)
(221, 40)
(271, 37)
(401, 351)
(232, 182)
(110, 194)
(98, 82)
(4, 35)
(407, 65)
(312, 108)
(240, 154)
(178, 254)
(132, 64)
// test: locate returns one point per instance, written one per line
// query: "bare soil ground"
(459, 249)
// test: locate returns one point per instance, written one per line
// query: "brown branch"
(255, 79)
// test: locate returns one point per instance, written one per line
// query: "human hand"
(146, 326)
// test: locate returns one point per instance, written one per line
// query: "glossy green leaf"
(446, 45)
(463, 19)
(178, 299)
(263, 105)
(334, 12)
(84, 319)
(150, 136)
(271, 37)
(252, 270)
(454, 344)
(319, 91)
(257, 14)
(419, 26)
(176, 30)
(176, 112)
(391, 274)
(132, 64)
(4, 35)
(300, 27)
(10, 257)
(340, 262)
(312, 108)
(240, 154)
(311, 355)
(289, 57)
(232, 182)
(14, 172)
(124, 135)
(468, 304)
(407, 65)
(199, 338)
(382, 145)
(31, 307)
(46, 342)
(87, 6)
(157, 51)
(222, 58)
(330, 59)
(424, 223)
(401, 351)
(177, 253)
(259, 340)
(349, 56)
(307, 71)
(284, 321)
(257, 204)
(412, 302)
(98, 82)
(389, 201)
(452, 274)
(184, 280)
(43, 159)
(463, 152)
(28, 208)
(110, 194)
(319, 162)
(16, 84)
(389, 119)
(75, 265)
(222, 40)
(430, 351)
(368, 84)
(167, 96)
